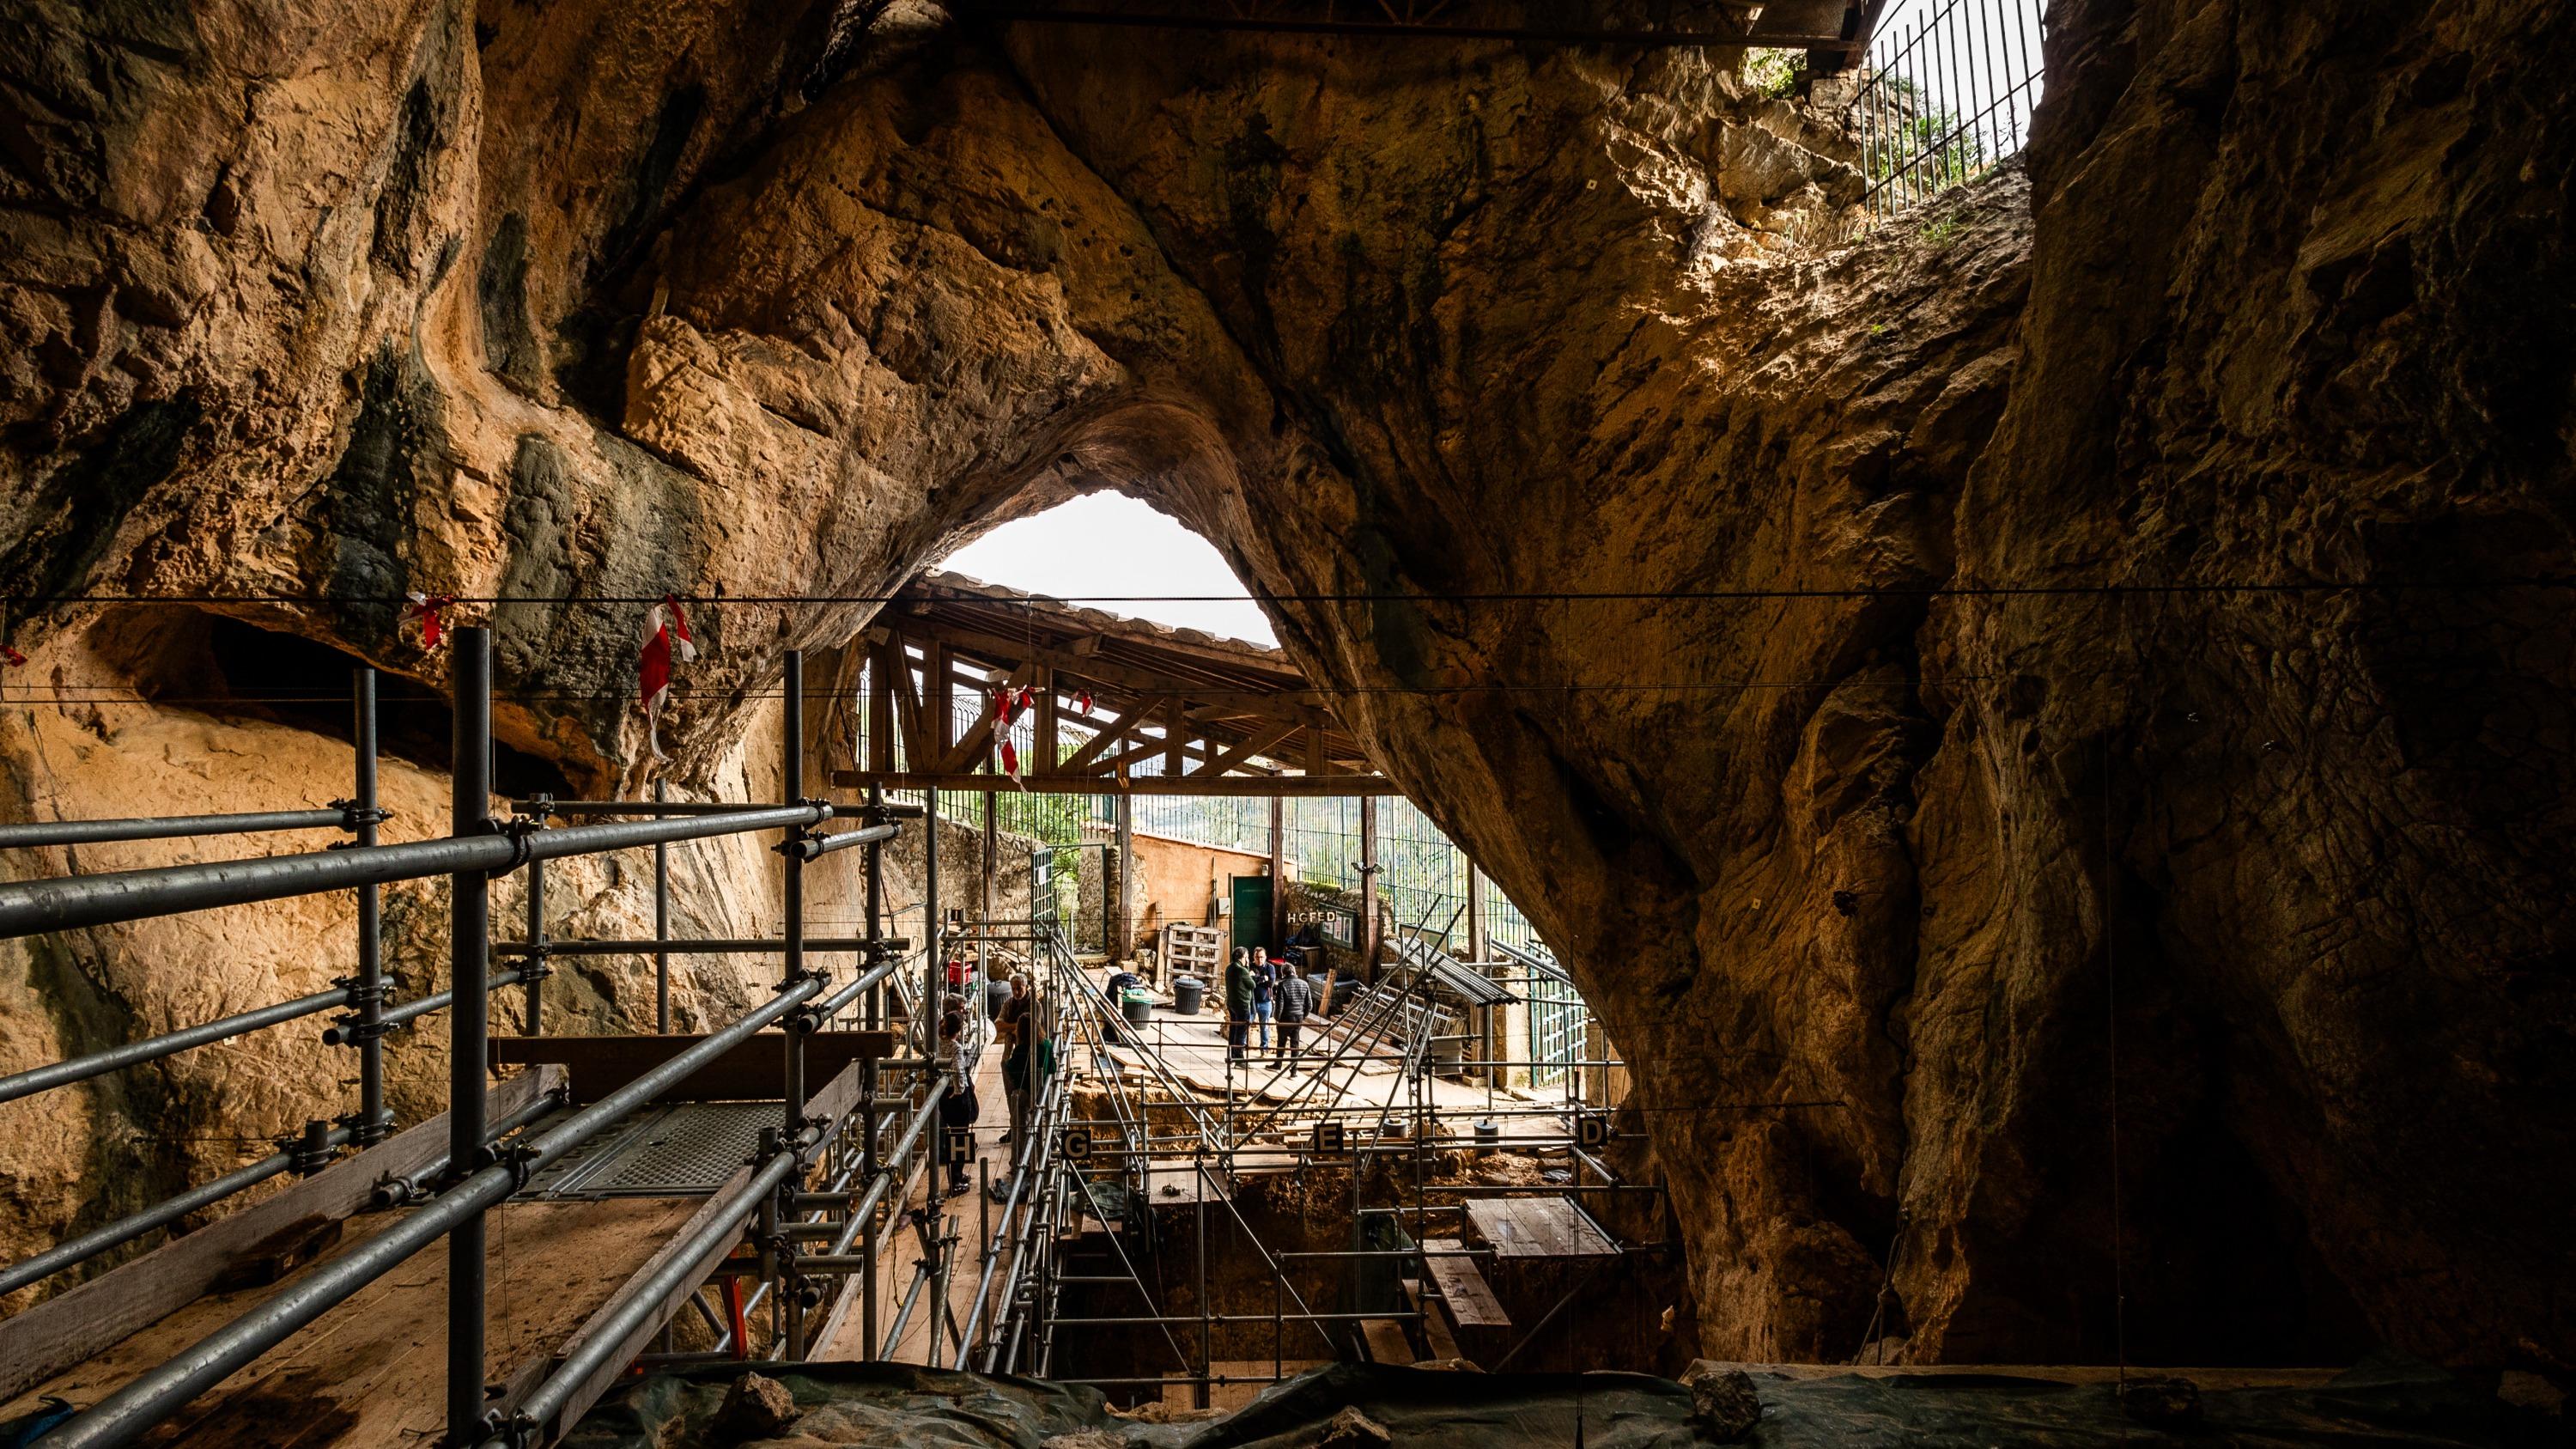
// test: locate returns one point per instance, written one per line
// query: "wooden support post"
(1121, 943)
(885, 656)
(1278, 872)
(1176, 738)
(939, 699)
(469, 939)
(1368, 888)
(992, 848)
(1044, 747)
(908, 697)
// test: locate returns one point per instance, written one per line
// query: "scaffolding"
(828, 1176)
(802, 1230)
(1154, 1129)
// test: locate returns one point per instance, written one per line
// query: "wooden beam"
(1044, 745)
(1124, 676)
(971, 750)
(883, 660)
(750, 1071)
(1176, 737)
(1141, 750)
(1108, 735)
(940, 689)
(916, 731)
(1117, 679)
(1251, 745)
(1255, 786)
(1275, 926)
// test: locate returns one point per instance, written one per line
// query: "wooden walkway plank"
(1537, 1227)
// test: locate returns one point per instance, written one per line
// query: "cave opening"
(1115, 551)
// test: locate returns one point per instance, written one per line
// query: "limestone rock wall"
(1737, 605)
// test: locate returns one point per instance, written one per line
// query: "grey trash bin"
(1139, 1008)
(1187, 995)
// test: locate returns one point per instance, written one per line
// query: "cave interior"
(1916, 756)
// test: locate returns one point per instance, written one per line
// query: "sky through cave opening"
(1120, 554)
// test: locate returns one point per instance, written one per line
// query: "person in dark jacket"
(1238, 1004)
(1265, 981)
(1018, 1028)
(1293, 999)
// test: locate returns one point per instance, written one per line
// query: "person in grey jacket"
(1292, 999)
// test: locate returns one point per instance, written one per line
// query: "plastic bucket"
(1139, 1008)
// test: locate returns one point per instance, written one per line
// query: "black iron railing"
(1946, 95)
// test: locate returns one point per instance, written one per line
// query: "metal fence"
(1559, 1022)
(1947, 94)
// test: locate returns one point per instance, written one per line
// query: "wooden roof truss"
(1117, 706)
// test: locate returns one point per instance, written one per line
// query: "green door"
(1251, 912)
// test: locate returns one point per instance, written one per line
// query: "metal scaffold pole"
(661, 925)
(927, 1029)
(469, 972)
(876, 903)
(536, 966)
(374, 1122)
(790, 1287)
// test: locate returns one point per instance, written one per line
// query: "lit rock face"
(589, 303)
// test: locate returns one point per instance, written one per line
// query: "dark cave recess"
(226, 667)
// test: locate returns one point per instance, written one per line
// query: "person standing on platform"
(1295, 998)
(1018, 1026)
(958, 1109)
(1238, 1004)
(1265, 985)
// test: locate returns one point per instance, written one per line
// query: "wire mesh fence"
(1947, 95)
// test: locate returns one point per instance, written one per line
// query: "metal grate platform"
(686, 1149)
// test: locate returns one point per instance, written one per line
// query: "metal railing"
(447, 1203)
(1946, 95)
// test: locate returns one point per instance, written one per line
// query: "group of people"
(1027, 1057)
(1260, 994)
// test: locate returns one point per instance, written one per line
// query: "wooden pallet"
(1194, 951)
